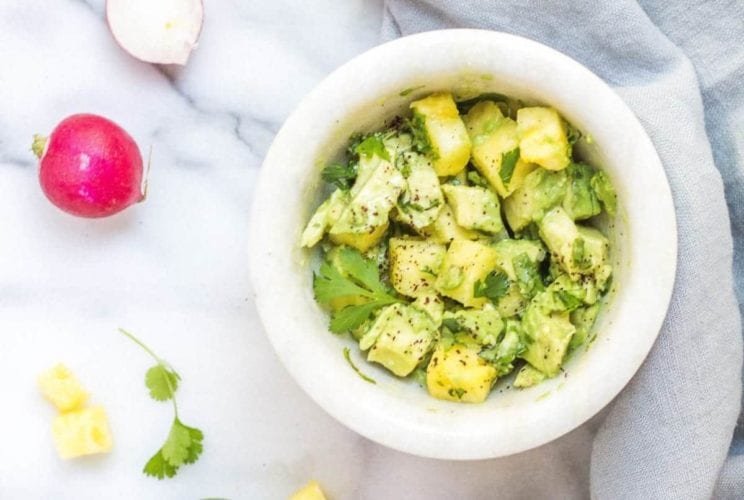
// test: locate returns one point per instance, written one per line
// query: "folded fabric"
(680, 67)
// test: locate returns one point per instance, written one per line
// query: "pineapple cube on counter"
(82, 432)
(62, 388)
(311, 491)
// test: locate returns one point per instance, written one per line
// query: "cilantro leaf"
(184, 443)
(528, 276)
(162, 382)
(360, 278)
(569, 300)
(340, 175)
(159, 467)
(372, 145)
(494, 286)
(351, 317)
(452, 325)
(508, 162)
(421, 142)
(476, 179)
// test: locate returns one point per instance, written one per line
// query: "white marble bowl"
(358, 97)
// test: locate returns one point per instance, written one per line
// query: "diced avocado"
(605, 191)
(583, 319)
(502, 356)
(541, 191)
(512, 303)
(509, 249)
(578, 250)
(581, 202)
(324, 217)
(528, 377)
(400, 337)
(445, 229)
(465, 263)
(445, 131)
(432, 305)
(495, 151)
(422, 199)
(475, 207)
(414, 265)
(479, 326)
(361, 241)
(457, 373)
(549, 335)
(373, 195)
(543, 138)
(584, 291)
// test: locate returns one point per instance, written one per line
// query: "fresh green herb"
(420, 141)
(578, 254)
(605, 191)
(361, 279)
(570, 301)
(573, 134)
(508, 162)
(528, 276)
(494, 286)
(409, 90)
(405, 205)
(183, 444)
(347, 355)
(340, 175)
(452, 325)
(372, 145)
(477, 179)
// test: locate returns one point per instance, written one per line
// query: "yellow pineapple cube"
(82, 432)
(60, 386)
(311, 491)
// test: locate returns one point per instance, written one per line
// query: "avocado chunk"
(445, 228)
(528, 377)
(502, 356)
(324, 217)
(445, 132)
(543, 138)
(399, 338)
(465, 263)
(414, 265)
(549, 334)
(583, 319)
(457, 373)
(364, 220)
(432, 305)
(475, 207)
(495, 150)
(581, 201)
(508, 250)
(579, 251)
(422, 198)
(541, 191)
(481, 327)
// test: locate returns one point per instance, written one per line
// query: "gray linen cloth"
(680, 66)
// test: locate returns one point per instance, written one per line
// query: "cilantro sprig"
(184, 444)
(359, 278)
(494, 286)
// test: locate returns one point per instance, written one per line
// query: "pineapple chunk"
(82, 432)
(361, 241)
(458, 374)
(414, 265)
(494, 138)
(543, 138)
(465, 263)
(445, 229)
(311, 491)
(446, 132)
(60, 386)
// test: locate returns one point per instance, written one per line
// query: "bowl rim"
(414, 435)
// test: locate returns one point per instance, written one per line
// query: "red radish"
(90, 166)
(156, 31)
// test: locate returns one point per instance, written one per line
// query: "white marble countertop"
(173, 269)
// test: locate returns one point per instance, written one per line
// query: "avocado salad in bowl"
(458, 244)
(463, 244)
